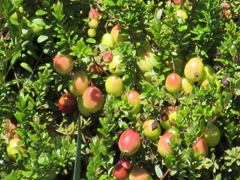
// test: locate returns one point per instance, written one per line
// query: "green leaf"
(218, 177)
(233, 50)
(158, 171)
(41, 12)
(182, 28)
(31, 105)
(44, 159)
(14, 59)
(91, 40)
(109, 3)
(58, 11)
(158, 14)
(232, 156)
(42, 38)
(26, 66)
(103, 149)
(237, 85)
(102, 131)
(38, 21)
(33, 137)
(11, 176)
(32, 153)
(205, 163)
(227, 98)
(81, 49)
(19, 116)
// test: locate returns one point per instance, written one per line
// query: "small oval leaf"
(42, 38)
(159, 14)
(26, 66)
(91, 40)
(158, 171)
(40, 12)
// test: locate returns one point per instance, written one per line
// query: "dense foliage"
(32, 34)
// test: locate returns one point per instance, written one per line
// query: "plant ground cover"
(114, 89)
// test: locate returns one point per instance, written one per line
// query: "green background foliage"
(30, 87)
